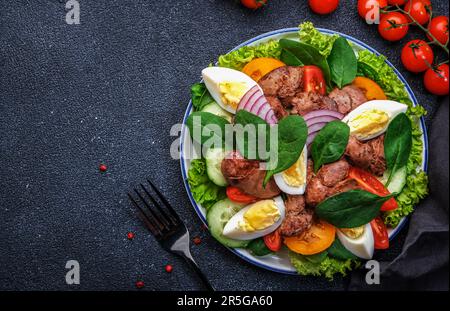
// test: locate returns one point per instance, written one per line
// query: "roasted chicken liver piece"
(248, 177)
(348, 98)
(368, 155)
(331, 179)
(298, 218)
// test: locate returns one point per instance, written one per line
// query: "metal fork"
(165, 225)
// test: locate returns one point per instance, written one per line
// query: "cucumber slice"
(218, 111)
(214, 157)
(398, 181)
(218, 216)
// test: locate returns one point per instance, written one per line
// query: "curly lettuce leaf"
(327, 268)
(200, 96)
(310, 35)
(386, 76)
(239, 58)
(416, 187)
(203, 189)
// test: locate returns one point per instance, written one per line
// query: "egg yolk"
(354, 233)
(232, 92)
(369, 123)
(295, 175)
(260, 215)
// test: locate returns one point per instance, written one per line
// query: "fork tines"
(156, 212)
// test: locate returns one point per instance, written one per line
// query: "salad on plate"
(344, 164)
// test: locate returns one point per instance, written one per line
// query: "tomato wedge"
(273, 241)
(371, 184)
(380, 233)
(317, 239)
(236, 195)
(313, 80)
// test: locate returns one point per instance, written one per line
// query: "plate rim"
(240, 253)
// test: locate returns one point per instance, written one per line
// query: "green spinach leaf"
(200, 96)
(338, 251)
(329, 145)
(343, 63)
(290, 59)
(351, 209)
(308, 55)
(397, 144)
(207, 126)
(248, 142)
(317, 258)
(258, 248)
(292, 134)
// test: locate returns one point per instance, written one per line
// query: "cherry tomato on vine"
(364, 6)
(393, 26)
(417, 56)
(419, 10)
(253, 4)
(436, 80)
(439, 29)
(323, 6)
(397, 2)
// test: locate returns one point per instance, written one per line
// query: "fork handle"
(199, 272)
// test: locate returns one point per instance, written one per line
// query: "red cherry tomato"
(371, 184)
(313, 80)
(380, 233)
(419, 10)
(323, 6)
(393, 26)
(253, 4)
(273, 241)
(364, 6)
(397, 2)
(439, 29)
(436, 80)
(236, 195)
(417, 56)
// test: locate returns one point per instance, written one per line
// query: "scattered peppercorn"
(130, 235)
(169, 268)
(140, 284)
(197, 240)
(102, 168)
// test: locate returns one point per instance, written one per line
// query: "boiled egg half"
(293, 180)
(227, 86)
(256, 220)
(359, 241)
(372, 118)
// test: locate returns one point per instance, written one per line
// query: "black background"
(109, 90)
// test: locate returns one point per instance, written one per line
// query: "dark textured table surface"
(109, 90)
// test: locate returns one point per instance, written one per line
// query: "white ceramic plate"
(279, 262)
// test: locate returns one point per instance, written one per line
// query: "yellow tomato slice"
(259, 67)
(370, 88)
(317, 239)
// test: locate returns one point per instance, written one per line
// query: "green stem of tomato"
(434, 40)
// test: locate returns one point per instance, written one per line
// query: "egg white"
(390, 107)
(362, 247)
(281, 183)
(234, 231)
(213, 76)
